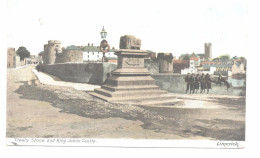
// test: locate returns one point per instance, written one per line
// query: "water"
(237, 82)
(176, 84)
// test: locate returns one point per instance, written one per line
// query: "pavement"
(48, 80)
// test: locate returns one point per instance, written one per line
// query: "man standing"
(196, 83)
(202, 83)
(208, 82)
(189, 82)
(192, 80)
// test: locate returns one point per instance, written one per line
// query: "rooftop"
(94, 49)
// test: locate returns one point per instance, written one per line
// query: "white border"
(128, 143)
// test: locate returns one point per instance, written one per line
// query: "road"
(43, 111)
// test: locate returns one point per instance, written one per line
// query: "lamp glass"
(103, 33)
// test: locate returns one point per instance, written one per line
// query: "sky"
(163, 25)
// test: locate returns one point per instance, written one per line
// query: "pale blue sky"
(162, 25)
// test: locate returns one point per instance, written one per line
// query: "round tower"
(54, 47)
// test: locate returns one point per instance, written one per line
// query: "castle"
(53, 53)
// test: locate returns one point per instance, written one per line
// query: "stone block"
(129, 42)
(165, 62)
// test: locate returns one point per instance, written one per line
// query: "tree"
(23, 53)
(186, 57)
(216, 59)
(242, 58)
(225, 57)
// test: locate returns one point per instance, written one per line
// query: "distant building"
(238, 68)
(179, 65)
(92, 53)
(207, 56)
(33, 59)
(13, 60)
(187, 66)
(223, 68)
(188, 56)
(196, 61)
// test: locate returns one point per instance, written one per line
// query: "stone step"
(129, 88)
(102, 97)
(143, 97)
(168, 102)
(163, 102)
(130, 81)
(129, 93)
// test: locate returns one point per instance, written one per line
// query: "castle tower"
(208, 51)
(44, 55)
(10, 57)
(53, 48)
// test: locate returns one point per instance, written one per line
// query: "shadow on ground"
(184, 122)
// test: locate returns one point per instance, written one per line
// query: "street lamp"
(103, 33)
(104, 46)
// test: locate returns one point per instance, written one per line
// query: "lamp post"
(104, 46)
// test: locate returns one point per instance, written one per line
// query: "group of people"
(202, 82)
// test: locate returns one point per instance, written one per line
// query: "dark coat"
(208, 81)
(202, 82)
(196, 82)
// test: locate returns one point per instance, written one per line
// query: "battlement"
(208, 44)
(54, 42)
(10, 49)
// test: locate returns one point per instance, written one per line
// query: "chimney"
(88, 44)
(92, 44)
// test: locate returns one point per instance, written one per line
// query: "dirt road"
(37, 110)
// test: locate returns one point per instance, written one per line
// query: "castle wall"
(92, 73)
(54, 54)
(67, 56)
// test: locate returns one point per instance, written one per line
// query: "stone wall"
(96, 73)
(67, 56)
(152, 66)
(92, 73)
(165, 62)
(171, 82)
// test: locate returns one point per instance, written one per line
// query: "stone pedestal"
(165, 63)
(131, 82)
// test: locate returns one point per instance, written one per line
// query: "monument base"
(131, 83)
